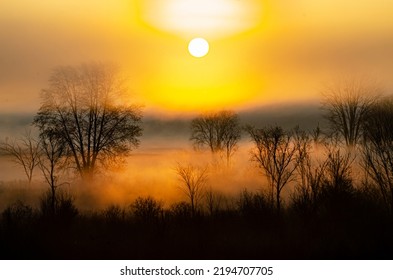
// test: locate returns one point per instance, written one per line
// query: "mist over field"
(150, 169)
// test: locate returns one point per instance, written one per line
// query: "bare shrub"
(147, 209)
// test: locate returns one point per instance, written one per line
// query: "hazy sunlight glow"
(217, 18)
(184, 84)
(198, 47)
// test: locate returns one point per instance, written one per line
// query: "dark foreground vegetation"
(344, 224)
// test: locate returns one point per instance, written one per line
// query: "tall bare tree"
(220, 132)
(24, 152)
(82, 105)
(193, 182)
(346, 104)
(378, 149)
(275, 152)
(310, 177)
(52, 162)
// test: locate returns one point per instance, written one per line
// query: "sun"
(198, 47)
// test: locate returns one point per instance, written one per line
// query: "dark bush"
(254, 205)
(65, 209)
(18, 214)
(146, 209)
(181, 210)
(114, 214)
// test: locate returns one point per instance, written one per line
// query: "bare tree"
(52, 162)
(82, 106)
(213, 201)
(193, 182)
(323, 182)
(147, 209)
(317, 136)
(378, 149)
(346, 104)
(307, 189)
(24, 152)
(220, 132)
(312, 178)
(275, 152)
(338, 168)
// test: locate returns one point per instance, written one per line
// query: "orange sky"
(260, 51)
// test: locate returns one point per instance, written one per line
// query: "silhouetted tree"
(82, 106)
(18, 215)
(305, 195)
(275, 152)
(64, 209)
(52, 162)
(193, 182)
(24, 152)
(337, 179)
(220, 132)
(253, 205)
(378, 148)
(310, 176)
(323, 184)
(213, 201)
(346, 104)
(317, 136)
(147, 209)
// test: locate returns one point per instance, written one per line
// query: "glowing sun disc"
(198, 47)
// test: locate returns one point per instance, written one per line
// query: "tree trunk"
(53, 200)
(278, 201)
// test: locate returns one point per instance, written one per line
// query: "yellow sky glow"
(218, 18)
(260, 50)
(182, 83)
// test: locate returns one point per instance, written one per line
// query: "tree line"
(83, 127)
